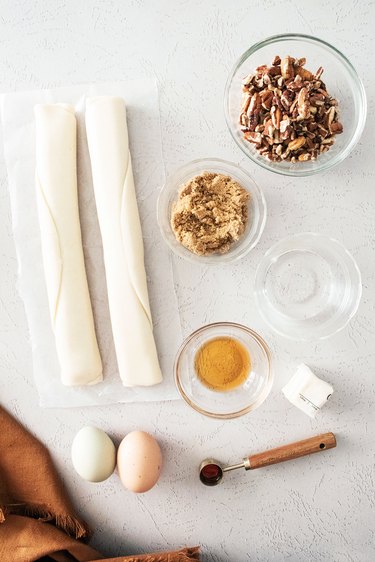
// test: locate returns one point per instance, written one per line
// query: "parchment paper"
(141, 98)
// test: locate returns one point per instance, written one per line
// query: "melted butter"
(222, 364)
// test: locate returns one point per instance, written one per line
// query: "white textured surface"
(320, 508)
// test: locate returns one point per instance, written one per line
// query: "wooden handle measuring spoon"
(292, 451)
(211, 472)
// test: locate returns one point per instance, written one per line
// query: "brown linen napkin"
(25, 539)
(29, 483)
(37, 519)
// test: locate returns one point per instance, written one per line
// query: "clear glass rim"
(243, 411)
(314, 337)
(215, 259)
(352, 71)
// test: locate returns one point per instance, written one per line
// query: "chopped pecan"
(267, 79)
(286, 99)
(250, 89)
(263, 150)
(304, 157)
(276, 116)
(254, 111)
(262, 69)
(245, 102)
(244, 120)
(336, 128)
(287, 134)
(247, 80)
(330, 115)
(269, 128)
(297, 143)
(287, 68)
(287, 112)
(305, 74)
(318, 73)
(322, 131)
(315, 99)
(267, 99)
(296, 84)
(303, 104)
(328, 140)
(254, 137)
(274, 70)
(276, 100)
(294, 105)
(284, 124)
(310, 135)
(259, 83)
(279, 150)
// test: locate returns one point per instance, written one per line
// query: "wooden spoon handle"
(293, 450)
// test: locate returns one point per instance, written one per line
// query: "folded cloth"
(29, 483)
(24, 539)
(183, 555)
(37, 519)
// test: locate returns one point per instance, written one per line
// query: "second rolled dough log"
(121, 232)
(64, 267)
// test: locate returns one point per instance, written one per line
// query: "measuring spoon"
(211, 472)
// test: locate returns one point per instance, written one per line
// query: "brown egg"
(139, 461)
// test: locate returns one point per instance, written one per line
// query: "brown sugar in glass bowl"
(253, 217)
(211, 213)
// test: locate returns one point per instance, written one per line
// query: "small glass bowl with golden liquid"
(222, 364)
(223, 370)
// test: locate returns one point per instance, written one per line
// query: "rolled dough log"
(64, 267)
(121, 232)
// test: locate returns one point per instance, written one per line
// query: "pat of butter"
(306, 391)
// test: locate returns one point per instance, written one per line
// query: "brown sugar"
(210, 214)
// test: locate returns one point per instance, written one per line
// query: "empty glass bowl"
(307, 287)
(231, 403)
(257, 210)
(342, 82)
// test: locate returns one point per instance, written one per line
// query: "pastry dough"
(121, 232)
(64, 267)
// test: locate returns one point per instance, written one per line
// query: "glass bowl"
(257, 209)
(233, 403)
(342, 82)
(307, 287)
